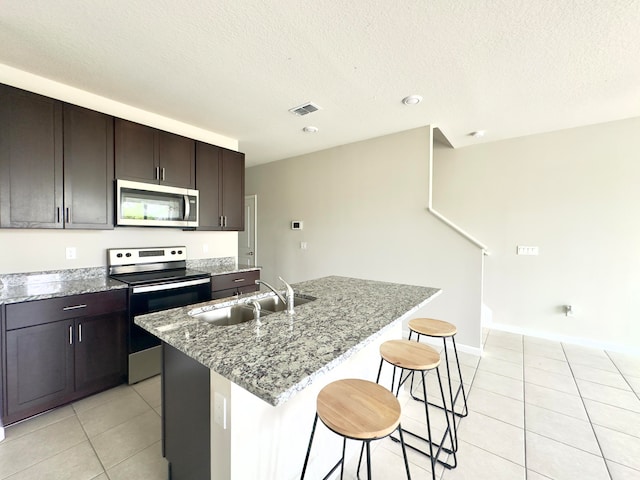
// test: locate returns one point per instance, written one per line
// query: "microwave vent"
(304, 109)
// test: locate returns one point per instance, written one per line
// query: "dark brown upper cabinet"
(145, 154)
(220, 181)
(88, 169)
(56, 163)
(31, 165)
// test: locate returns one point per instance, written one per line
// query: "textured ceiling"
(510, 67)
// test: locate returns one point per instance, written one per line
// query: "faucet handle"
(288, 287)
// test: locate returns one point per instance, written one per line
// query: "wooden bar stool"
(416, 357)
(431, 327)
(358, 410)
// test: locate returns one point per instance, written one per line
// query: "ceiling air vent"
(304, 109)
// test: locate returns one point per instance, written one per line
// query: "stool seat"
(358, 409)
(432, 327)
(410, 355)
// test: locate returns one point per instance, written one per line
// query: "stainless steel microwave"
(147, 205)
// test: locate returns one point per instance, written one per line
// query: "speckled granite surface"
(218, 266)
(286, 354)
(21, 287)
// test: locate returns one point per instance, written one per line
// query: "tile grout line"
(104, 470)
(606, 465)
(524, 415)
(623, 375)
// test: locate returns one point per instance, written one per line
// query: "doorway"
(247, 253)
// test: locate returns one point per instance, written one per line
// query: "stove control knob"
(127, 255)
(173, 252)
(119, 255)
(180, 252)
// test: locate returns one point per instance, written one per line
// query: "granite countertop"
(16, 288)
(285, 354)
(22, 287)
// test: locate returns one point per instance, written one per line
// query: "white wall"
(43, 249)
(364, 212)
(576, 195)
(31, 250)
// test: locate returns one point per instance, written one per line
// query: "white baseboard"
(584, 342)
(437, 342)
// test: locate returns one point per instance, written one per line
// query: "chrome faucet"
(287, 299)
(256, 310)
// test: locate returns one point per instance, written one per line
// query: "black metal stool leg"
(464, 396)
(450, 428)
(404, 452)
(306, 458)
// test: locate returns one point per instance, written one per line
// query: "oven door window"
(148, 302)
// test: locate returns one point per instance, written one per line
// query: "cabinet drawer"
(234, 280)
(38, 312)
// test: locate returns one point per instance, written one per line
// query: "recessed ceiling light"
(310, 129)
(412, 100)
(477, 134)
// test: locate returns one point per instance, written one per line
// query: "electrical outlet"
(523, 250)
(303, 245)
(71, 253)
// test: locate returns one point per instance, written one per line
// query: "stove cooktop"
(145, 278)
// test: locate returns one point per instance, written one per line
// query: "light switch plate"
(220, 410)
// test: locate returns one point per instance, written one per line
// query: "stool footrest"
(440, 448)
(462, 414)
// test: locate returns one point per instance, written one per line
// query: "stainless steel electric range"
(158, 279)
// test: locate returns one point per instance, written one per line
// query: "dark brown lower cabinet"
(234, 284)
(51, 360)
(100, 351)
(39, 368)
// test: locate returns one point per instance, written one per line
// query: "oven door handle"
(170, 286)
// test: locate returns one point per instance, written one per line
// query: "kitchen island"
(248, 392)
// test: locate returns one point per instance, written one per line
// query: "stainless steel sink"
(243, 312)
(274, 304)
(226, 316)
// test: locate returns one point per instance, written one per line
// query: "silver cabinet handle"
(239, 280)
(70, 335)
(221, 221)
(58, 215)
(157, 174)
(75, 307)
(67, 215)
(163, 174)
(80, 333)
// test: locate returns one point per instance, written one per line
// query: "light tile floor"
(538, 410)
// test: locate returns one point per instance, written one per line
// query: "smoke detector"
(305, 109)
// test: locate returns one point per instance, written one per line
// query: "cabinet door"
(100, 351)
(135, 152)
(207, 182)
(39, 367)
(176, 156)
(30, 160)
(233, 190)
(88, 168)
